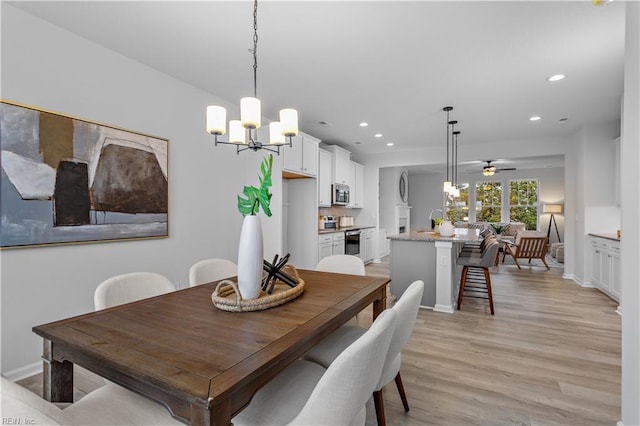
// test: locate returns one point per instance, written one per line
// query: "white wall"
(630, 206)
(425, 195)
(50, 68)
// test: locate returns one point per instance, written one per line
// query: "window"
(523, 202)
(457, 209)
(488, 201)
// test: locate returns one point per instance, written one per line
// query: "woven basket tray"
(226, 296)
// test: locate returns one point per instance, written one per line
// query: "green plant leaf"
(255, 198)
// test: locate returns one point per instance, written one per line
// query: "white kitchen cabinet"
(356, 190)
(605, 266)
(325, 246)
(367, 245)
(302, 157)
(341, 164)
(330, 244)
(325, 163)
(338, 243)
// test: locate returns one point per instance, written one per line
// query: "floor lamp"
(552, 209)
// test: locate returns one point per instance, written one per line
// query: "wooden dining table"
(202, 363)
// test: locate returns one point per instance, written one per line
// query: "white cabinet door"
(614, 274)
(325, 161)
(596, 264)
(356, 196)
(310, 156)
(341, 162)
(338, 247)
(353, 190)
(302, 156)
(368, 245)
(293, 155)
(324, 250)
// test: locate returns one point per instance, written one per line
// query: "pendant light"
(456, 185)
(447, 187)
(244, 132)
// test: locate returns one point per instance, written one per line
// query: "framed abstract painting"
(67, 180)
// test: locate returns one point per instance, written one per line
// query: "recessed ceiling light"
(389, 143)
(556, 77)
(377, 135)
(535, 118)
(364, 124)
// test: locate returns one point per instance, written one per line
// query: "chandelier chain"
(255, 48)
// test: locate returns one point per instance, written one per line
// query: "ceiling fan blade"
(507, 168)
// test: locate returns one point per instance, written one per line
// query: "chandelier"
(243, 133)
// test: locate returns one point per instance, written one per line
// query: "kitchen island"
(430, 257)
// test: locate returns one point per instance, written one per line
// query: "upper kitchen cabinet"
(356, 190)
(302, 158)
(325, 167)
(341, 164)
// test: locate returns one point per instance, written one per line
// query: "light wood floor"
(549, 356)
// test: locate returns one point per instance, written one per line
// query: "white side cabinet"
(367, 245)
(605, 266)
(302, 157)
(330, 244)
(325, 163)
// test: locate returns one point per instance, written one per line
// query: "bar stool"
(475, 277)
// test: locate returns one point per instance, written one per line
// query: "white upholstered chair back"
(340, 396)
(341, 264)
(130, 287)
(208, 270)
(407, 310)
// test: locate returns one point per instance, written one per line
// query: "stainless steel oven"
(352, 242)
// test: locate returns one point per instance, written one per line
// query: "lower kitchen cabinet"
(330, 244)
(367, 245)
(605, 266)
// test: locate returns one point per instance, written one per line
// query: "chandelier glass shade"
(244, 132)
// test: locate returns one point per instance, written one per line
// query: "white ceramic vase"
(250, 257)
(446, 228)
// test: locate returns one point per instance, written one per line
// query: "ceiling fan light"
(489, 171)
(250, 115)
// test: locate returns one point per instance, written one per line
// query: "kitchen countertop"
(343, 229)
(613, 237)
(460, 234)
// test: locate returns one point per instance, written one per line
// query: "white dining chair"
(341, 264)
(108, 405)
(130, 287)
(327, 351)
(307, 394)
(208, 270)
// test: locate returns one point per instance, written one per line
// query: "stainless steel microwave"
(340, 194)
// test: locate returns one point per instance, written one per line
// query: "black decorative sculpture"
(274, 273)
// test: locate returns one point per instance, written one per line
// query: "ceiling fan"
(489, 169)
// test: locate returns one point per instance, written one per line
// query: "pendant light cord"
(255, 49)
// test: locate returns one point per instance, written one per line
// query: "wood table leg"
(57, 376)
(380, 304)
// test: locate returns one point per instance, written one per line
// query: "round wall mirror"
(404, 186)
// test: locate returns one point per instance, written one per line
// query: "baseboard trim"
(619, 312)
(443, 308)
(24, 372)
(426, 307)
